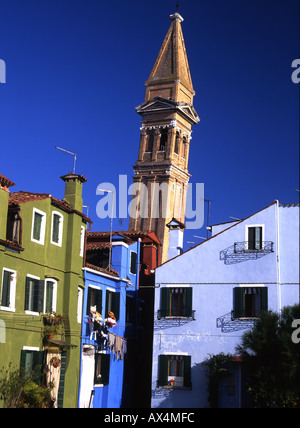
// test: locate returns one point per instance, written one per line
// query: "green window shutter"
(38, 296)
(165, 295)
(264, 298)
(238, 302)
(55, 230)
(163, 370)
(133, 260)
(188, 302)
(37, 365)
(23, 362)
(49, 296)
(251, 238)
(187, 371)
(60, 395)
(5, 297)
(37, 226)
(27, 294)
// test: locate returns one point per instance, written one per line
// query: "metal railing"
(253, 247)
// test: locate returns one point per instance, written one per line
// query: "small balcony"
(174, 314)
(241, 252)
(253, 247)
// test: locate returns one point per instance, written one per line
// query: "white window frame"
(54, 296)
(26, 310)
(82, 237)
(12, 290)
(255, 225)
(79, 304)
(60, 232)
(41, 241)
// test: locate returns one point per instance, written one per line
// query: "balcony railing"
(253, 247)
(174, 314)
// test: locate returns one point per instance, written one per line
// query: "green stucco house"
(42, 242)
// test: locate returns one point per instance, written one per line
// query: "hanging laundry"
(124, 349)
(118, 346)
(111, 340)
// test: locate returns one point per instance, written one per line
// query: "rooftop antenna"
(208, 211)
(69, 153)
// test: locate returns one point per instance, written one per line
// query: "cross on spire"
(177, 6)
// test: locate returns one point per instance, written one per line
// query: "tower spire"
(161, 171)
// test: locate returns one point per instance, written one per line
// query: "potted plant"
(51, 319)
(50, 331)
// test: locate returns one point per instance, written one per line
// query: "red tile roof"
(23, 197)
(5, 181)
(111, 272)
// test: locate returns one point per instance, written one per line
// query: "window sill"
(7, 309)
(36, 314)
(37, 242)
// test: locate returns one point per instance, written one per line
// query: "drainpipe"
(278, 259)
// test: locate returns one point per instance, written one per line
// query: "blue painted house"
(108, 321)
(206, 298)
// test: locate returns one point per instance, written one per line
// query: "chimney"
(5, 184)
(73, 190)
(176, 229)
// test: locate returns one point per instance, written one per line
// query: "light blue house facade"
(206, 298)
(104, 342)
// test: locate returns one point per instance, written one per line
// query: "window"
(50, 296)
(102, 366)
(57, 228)
(13, 230)
(177, 142)
(133, 261)
(34, 295)
(254, 237)
(32, 361)
(176, 302)
(149, 142)
(8, 290)
(82, 238)
(185, 148)
(112, 303)
(38, 226)
(249, 302)
(94, 299)
(175, 371)
(163, 140)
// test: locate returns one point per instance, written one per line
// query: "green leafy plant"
(18, 389)
(217, 367)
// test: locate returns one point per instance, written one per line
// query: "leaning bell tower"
(161, 172)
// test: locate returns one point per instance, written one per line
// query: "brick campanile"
(161, 172)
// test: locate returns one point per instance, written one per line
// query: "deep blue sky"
(76, 71)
